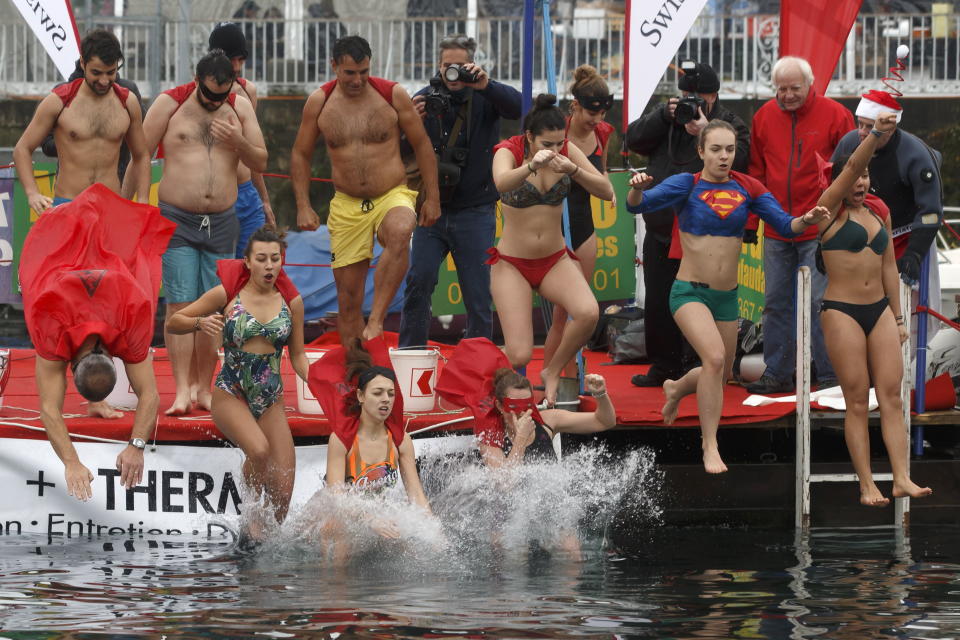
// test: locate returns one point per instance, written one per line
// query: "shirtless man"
(90, 118)
(253, 200)
(205, 130)
(361, 118)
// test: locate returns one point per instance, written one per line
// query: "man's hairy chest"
(87, 120)
(343, 124)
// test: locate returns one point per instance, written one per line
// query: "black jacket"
(671, 150)
(497, 101)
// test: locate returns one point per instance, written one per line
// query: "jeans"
(466, 234)
(781, 260)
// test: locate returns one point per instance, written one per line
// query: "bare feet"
(550, 381)
(712, 462)
(103, 410)
(204, 400)
(181, 406)
(372, 330)
(908, 488)
(669, 410)
(870, 496)
(194, 389)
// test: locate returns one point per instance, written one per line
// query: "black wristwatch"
(139, 443)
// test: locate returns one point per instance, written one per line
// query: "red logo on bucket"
(420, 382)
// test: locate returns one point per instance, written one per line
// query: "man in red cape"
(90, 275)
(337, 395)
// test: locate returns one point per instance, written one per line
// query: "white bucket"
(416, 371)
(752, 367)
(122, 396)
(306, 401)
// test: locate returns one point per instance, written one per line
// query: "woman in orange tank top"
(373, 460)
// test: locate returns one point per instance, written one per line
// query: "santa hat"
(875, 102)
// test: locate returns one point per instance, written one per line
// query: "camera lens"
(452, 73)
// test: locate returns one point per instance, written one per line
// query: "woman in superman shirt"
(713, 207)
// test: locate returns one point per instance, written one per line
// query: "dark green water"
(664, 583)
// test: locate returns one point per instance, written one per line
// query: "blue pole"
(527, 70)
(551, 73)
(920, 377)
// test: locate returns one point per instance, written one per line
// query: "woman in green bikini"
(263, 312)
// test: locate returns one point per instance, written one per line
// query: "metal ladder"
(803, 475)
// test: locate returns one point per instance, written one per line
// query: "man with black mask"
(461, 112)
(668, 135)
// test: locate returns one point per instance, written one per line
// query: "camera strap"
(463, 115)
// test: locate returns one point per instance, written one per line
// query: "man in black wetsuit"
(905, 174)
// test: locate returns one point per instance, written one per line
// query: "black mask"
(211, 95)
(595, 103)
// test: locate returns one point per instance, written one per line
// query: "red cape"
(328, 382)
(516, 146)
(234, 274)
(467, 381)
(92, 266)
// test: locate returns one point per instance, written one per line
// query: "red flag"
(816, 31)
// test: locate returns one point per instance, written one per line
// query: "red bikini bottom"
(534, 270)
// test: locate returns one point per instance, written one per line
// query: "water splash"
(479, 514)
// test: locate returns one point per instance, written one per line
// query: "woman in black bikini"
(587, 130)
(533, 173)
(861, 316)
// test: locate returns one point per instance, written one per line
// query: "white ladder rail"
(803, 475)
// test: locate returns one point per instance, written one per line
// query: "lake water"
(481, 571)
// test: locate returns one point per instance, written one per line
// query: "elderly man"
(788, 133)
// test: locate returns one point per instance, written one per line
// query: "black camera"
(458, 73)
(437, 101)
(686, 110)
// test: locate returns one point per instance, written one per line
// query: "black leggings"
(866, 315)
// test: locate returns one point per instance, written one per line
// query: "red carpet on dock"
(636, 407)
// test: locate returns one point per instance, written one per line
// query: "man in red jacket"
(787, 134)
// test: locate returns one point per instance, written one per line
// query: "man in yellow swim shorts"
(360, 119)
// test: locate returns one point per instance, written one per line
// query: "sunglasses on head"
(213, 96)
(595, 103)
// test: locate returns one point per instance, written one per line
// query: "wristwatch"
(139, 443)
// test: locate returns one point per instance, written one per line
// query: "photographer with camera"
(667, 135)
(461, 111)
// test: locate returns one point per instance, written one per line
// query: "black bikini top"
(852, 236)
(527, 195)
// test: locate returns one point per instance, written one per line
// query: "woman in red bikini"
(862, 320)
(533, 173)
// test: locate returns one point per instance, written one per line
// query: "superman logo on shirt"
(722, 202)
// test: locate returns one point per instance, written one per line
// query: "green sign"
(614, 277)
(750, 279)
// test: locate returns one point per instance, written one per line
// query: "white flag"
(52, 22)
(655, 31)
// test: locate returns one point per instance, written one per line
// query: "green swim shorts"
(722, 304)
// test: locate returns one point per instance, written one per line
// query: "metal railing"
(291, 57)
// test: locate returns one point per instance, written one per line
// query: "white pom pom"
(903, 51)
